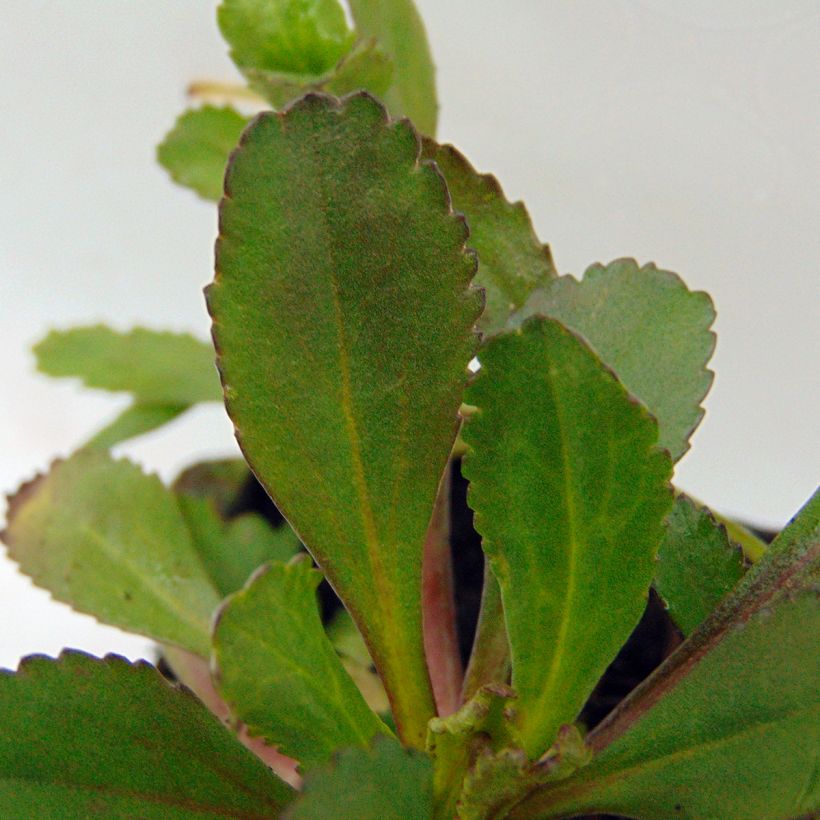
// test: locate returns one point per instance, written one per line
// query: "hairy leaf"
(398, 28)
(156, 367)
(135, 420)
(650, 329)
(343, 322)
(292, 36)
(195, 151)
(84, 737)
(570, 493)
(697, 565)
(511, 259)
(279, 673)
(730, 724)
(111, 541)
(385, 782)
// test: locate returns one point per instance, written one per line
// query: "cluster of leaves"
(345, 308)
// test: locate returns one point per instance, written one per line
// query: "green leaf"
(156, 367)
(385, 782)
(111, 541)
(290, 36)
(697, 565)
(134, 421)
(195, 151)
(221, 482)
(650, 329)
(729, 726)
(84, 737)
(343, 320)
(511, 259)
(399, 30)
(570, 491)
(279, 673)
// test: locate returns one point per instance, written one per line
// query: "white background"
(679, 131)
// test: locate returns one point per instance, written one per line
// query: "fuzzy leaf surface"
(650, 329)
(292, 36)
(84, 737)
(108, 539)
(343, 321)
(280, 674)
(156, 367)
(136, 420)
(569, 493)
(512, 262)
(384, 781)
(195, 151)
(729, 725)
(398, 28)
(697, 564)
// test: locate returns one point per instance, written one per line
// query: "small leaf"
(135, 420)
(84, 737)
(697, 566)
(290, 36)
(343, 319)
(397, 27)
(279, 672)
(221, 482)
(385, 782)
(568, 488)
(511, 259)
(111, 541)
(729, 725)
(650, 329)
(156, 367)
(196, 150)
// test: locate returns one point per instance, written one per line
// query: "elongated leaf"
(697, 565)
(293, 36)
(398, 28)
(570, 494)
(279, 672)
(343, 319)
(156, 367)
(84, 737)
(511, 259)
(111, 541)
(385, 782)
(729, 726)
(195, 151)
(650, 329)
(135, 420)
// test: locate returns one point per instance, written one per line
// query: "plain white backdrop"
(683, 132)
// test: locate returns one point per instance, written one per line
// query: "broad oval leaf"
(569, 492)
(729, 726)
(697, 564)
(343, 319)
(108, 539)
(85, 737)
(279, 673)
(650, 329)
(512, 261)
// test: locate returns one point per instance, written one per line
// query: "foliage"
(360, 267)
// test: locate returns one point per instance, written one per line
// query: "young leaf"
(343, 320)
(135, 420)
(570, 493)
(697, 565)
(111, 541)
(650, 329)
(279, 673)
(397, 26)
(385, 782)
(156, 367)
(289, 36)
(195, 151)
(84, 737)
(731, 721)
(511, 259)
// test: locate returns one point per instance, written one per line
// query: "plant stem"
(438, 606)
